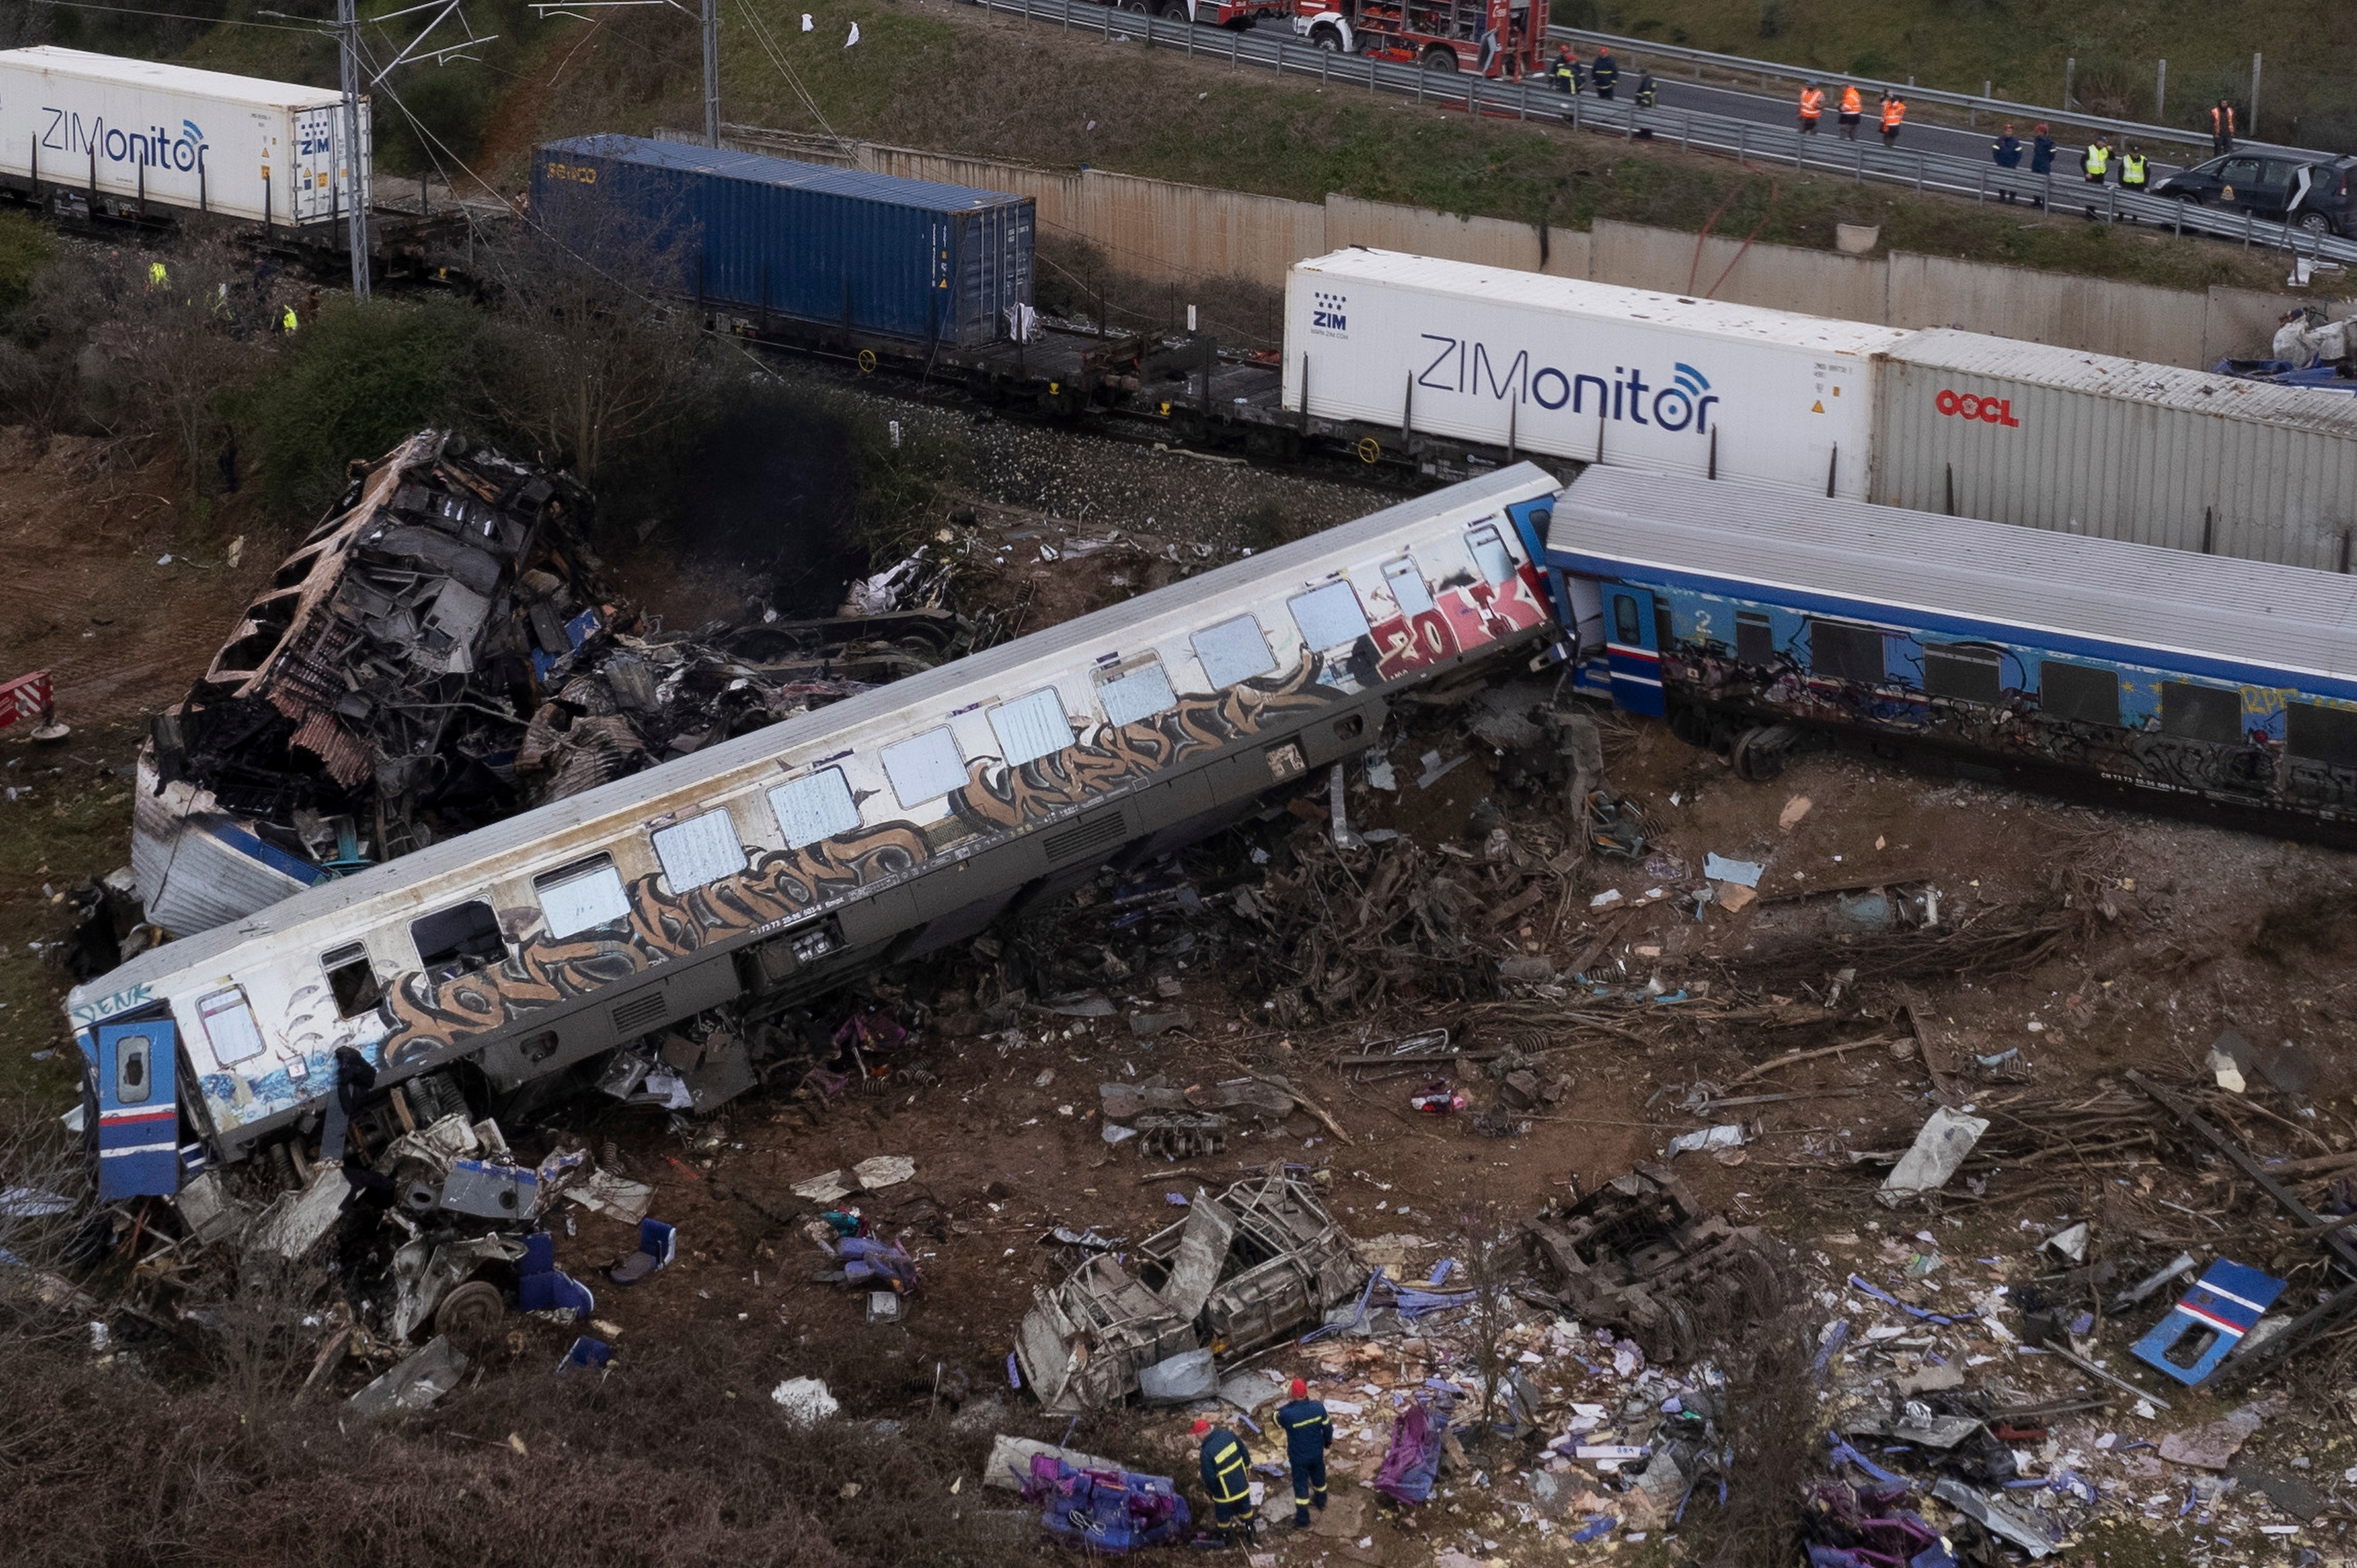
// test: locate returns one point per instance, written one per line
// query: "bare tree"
(1492, 1258)
(187, 331)
(594, 354)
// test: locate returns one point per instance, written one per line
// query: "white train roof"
(566, 828)
(2205, 607)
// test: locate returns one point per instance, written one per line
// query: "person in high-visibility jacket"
(1894, 114)
(286, 322)
(2133, 173)
(1605, 73)
(157, 278)
(2095, 161)
(1308, 1432)
(1566, 70)
(1853, 107)
(1813, 108)
(2221, 126)
(1227, 1477)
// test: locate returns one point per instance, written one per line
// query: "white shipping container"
(133, 130)
(1583, 371)
(2057, 438)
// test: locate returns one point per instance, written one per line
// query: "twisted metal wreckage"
(443, 651)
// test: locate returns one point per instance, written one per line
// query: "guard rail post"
(1919, 173)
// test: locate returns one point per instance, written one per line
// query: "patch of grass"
(68, 823)
(25, 250)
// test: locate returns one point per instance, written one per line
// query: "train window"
(1841, 651)
(1329, 616)
(1031, 727)
(1491, 556)
(229, 1027)
(1136, 693)
(1627, 629)
(133, 1077)
(813, 808)
(701, 850)
(582, 896)
(1407, 585)
(465, 935)
(2318, 734)
(2079, 693)
(1755, 637)
(2201, 712)
(1962, 672)
(1233, 650)
(352, 979)
(925, 768)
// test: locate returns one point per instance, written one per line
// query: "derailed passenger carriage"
(767, 868)
(1752, 618)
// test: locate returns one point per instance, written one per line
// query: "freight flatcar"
(789, 860)
(1752, 618)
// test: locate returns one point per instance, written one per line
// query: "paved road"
(1780, 113)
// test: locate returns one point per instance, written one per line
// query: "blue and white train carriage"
(790, 859)
(1746, 617)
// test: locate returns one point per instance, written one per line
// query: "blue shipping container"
(899, 258)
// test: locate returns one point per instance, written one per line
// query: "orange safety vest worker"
(1813, 104)
(1894, 111)
(1851, 102)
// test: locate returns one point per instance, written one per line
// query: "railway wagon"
(789, 860)
(1749, 618)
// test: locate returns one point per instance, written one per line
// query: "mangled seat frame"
(1259, 1261)
(1639, 1255)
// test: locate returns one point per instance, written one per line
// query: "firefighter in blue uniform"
(1227, 1477)
(1307, 1430)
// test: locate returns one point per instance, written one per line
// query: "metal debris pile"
(442, 651)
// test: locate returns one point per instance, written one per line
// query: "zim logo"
(1987, 410)
(1327, 312)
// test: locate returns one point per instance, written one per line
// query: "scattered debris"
(805, 1401)
(1640, 1255)
(1947, 1136)
(414, 1382)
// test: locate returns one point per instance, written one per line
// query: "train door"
(1633, 648)
(138, 1108)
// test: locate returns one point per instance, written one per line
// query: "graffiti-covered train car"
(1749, 617)
(789, 860)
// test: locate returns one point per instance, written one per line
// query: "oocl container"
(1583, 371)
(2056, 438)
(902, 258)
(130, 130)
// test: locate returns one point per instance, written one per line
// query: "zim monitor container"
(871, 254)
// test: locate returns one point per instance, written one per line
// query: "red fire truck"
(1505, 39)
(1236, 13)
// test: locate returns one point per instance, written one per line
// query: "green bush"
(357, 380)
(25, 250)
(452, 102)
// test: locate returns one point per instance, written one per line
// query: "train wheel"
(1762, 752)
(471, 1315)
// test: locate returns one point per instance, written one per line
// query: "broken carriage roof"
(2215, 615)
(622, 803)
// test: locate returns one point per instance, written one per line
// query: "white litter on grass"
(806, 1400)
(615, 1198)
(1718, 868)
(1606, 899)
(824, 1188)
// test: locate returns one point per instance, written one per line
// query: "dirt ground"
(2160, 935)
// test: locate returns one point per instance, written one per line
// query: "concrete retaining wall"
(1163, 232)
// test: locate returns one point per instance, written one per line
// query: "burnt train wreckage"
(440, 652)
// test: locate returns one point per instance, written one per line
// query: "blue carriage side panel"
(132, 1065)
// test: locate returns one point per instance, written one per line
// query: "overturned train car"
(766, 868)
